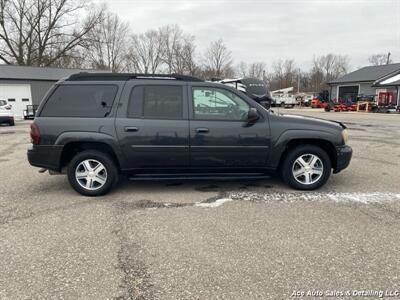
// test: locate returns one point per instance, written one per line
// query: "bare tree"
(178, 50)
(76, 58)
(106, 46)
(332, 65)
(278, 75)
(242, 69)
(256, 70)
(316, 78)
(42, 32)
(218, 60)
(189, 56)
(326, 68)
(145, 52)
(380, 59)
(284, 74)
(289, 72)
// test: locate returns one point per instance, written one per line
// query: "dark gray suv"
(94, 127)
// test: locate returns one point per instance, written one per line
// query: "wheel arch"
(324, 144)
(72, 148)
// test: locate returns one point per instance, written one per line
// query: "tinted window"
(93, 101)
(218, 104)
(3, 102)
(153, 101)
(11, 100)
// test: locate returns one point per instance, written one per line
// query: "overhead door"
(348, 93)
(18, 95)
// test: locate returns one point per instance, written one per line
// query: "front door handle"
(131, 129)
(202, 130)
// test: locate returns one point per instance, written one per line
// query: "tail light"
(35, 134)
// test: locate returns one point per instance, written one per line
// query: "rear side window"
(90, 101)
(156, 101)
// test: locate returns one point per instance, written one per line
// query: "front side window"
(218, 104)
(156, 101)
(90, 101)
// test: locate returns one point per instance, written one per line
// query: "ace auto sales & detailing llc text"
(347, 293)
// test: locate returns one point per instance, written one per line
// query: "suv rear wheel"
(92, 173)
(306, 167)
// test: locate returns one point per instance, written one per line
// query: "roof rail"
(84, 76)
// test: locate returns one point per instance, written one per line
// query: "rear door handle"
(202, 130)
(131, 129)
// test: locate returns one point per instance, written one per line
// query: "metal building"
(369, 81)
(24, 85)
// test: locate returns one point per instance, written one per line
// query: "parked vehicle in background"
(284, 101)
(30, 112)
(93, 127)
(307, 100)
(6, 114)
(317, 103)
(321, 101)
(283, 97)
(255, 88)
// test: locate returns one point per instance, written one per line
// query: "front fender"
(280, 143)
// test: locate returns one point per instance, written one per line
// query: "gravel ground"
(206, 239)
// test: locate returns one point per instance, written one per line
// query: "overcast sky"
(266, 30)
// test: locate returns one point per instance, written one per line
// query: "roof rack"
(85, 76)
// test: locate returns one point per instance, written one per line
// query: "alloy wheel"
(91, 174)
(307, 169)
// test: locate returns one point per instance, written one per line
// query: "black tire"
(289, 161)
(282, 104)
(11, 123)
(109, 166)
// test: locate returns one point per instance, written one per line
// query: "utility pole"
(388, 58)
(298, 81)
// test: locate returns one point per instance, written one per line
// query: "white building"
(23, 85)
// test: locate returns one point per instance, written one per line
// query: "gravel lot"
(204, 239)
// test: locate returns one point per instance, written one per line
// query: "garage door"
(18, 95)
(348, 93)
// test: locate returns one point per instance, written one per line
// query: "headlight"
(345, 136)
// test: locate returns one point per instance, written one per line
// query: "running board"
(150, 177)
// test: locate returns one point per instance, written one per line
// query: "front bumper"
(6, 119)
(343, 157)
(45, 156)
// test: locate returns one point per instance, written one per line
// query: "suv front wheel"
(92, 173)
(306, 167)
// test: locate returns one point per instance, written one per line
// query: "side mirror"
(266, 104)
(252, 116)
